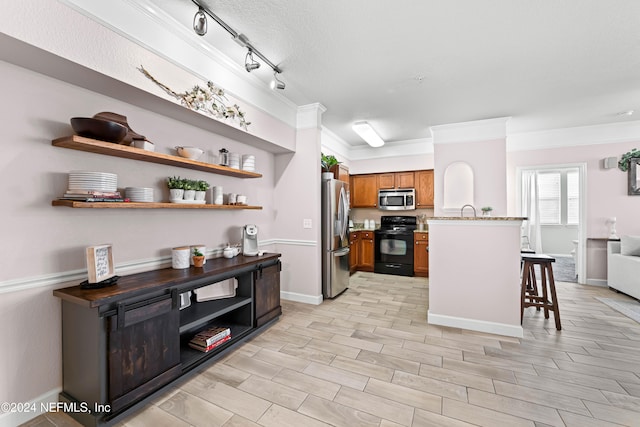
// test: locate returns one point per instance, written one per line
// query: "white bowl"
(192, 153)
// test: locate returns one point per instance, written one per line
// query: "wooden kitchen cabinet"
(354, 251)
(396, 180)
(364, 191)
(340, 172)
(367, 255)
(424, 188)
(421, 254)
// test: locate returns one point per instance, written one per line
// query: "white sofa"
(623, 271)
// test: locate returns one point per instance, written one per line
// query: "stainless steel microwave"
(397, 200)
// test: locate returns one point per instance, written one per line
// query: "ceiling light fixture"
(250, 64)
(241, 39)
(200, 22)
(276, 83)
(367, 133)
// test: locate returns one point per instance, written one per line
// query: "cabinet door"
(267, 293)
(421, 254)
(364, 191)
(405, 180)
(386, 180)
(144, 348)
(354, 251)
(424, 189)
(366, 251)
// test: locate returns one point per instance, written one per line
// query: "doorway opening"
(553, 198)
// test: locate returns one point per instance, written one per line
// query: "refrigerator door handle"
(341, 252)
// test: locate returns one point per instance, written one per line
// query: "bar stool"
(530, 296)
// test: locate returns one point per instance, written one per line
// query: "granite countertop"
(479, 218)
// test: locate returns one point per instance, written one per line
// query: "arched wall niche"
(458, 185)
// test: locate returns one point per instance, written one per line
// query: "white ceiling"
(406, 65)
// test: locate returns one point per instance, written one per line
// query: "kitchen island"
(474, 273)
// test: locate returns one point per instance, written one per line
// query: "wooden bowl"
(103, 130)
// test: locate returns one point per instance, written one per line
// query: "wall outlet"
(306, 223)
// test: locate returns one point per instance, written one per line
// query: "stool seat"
(529, 286)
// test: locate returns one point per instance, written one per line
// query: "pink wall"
(474, 274)
(606, 188)
(297, 197)
(487, 159)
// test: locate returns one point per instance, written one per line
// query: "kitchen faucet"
(462, 210)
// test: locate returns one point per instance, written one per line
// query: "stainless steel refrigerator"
(335, 237)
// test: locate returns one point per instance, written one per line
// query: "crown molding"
(310, 116)
(477, 130)
(609, 133)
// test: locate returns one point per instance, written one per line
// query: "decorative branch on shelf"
(210, 100)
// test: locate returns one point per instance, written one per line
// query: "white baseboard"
(307, 299)
(597, 282)
(475, 325)
(36, 407)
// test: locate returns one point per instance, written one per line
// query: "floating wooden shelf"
(145, 205)
(76, 142)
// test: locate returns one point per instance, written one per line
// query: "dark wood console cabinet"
(123, 344)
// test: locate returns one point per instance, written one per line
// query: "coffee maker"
(250, 240)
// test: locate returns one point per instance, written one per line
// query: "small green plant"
(486, 209)
(190, 184)
(623, 164)
(196, 252)
(328, 161)
(202, 185)
(175, 182)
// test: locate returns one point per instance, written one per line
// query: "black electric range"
(394, 245)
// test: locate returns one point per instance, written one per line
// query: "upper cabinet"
(424, 189)
(364, 191)
(364, 188)
(396, 180)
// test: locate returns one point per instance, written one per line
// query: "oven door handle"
(392, 266)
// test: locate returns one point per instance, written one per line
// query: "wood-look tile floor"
(369, 358)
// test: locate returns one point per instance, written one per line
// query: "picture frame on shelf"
(100, 265)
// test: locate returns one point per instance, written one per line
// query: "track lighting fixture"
(200, 22)
(250, 64)
(200, 27)
(276, 83)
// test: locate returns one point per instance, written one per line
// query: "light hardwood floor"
(369, 358)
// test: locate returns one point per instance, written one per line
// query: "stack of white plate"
(249, 162)
(97, 181)
(139, 194)
(234, 160)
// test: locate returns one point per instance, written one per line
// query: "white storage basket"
(218, 290)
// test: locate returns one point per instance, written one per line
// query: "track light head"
(200, 22)
(276, 83)
(250, 64)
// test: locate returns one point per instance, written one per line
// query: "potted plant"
(189, 189)
(486, 211)
(198, 258)
(623, 164)
(176, 187)
(201, 189)
(327, 162)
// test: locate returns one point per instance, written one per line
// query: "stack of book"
(93, 196)
(210, 338)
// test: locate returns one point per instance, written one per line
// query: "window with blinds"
(559, 197)
(549, 197)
